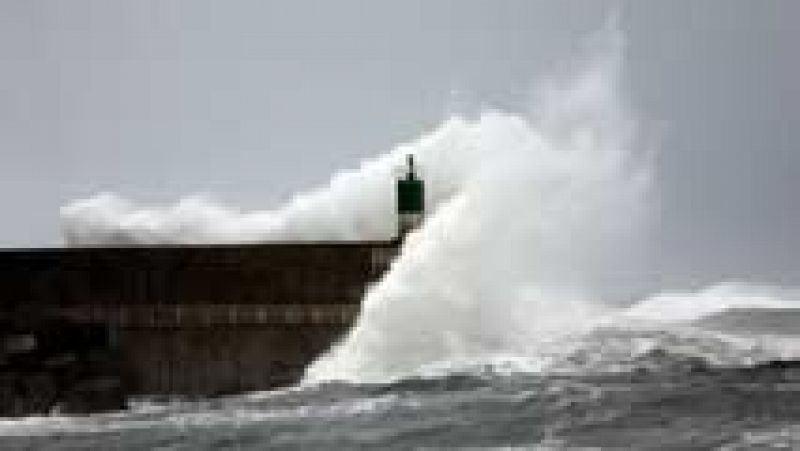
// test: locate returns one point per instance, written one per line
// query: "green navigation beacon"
(410, 200)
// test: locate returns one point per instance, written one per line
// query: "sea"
(636, 387)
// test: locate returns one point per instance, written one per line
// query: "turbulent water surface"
(615, 386)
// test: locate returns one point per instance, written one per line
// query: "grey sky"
(251, 101)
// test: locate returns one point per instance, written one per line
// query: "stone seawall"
(175, 321)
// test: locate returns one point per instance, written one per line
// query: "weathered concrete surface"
(92, 326)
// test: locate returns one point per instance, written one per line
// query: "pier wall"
(180, 320)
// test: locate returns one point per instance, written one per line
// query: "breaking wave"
(552, 205)
(681, 306)
(530, 217)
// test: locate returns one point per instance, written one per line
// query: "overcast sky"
(252, 101)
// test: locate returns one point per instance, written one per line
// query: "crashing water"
(615, 387)
(491, 328)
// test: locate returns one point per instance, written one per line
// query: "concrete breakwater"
(84, 329)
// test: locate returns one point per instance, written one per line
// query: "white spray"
(355, 205)
(682, 306)
(527, 217)
(510, 261)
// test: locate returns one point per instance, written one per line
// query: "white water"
(528, 217)
(689, 306)
(551, 203)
